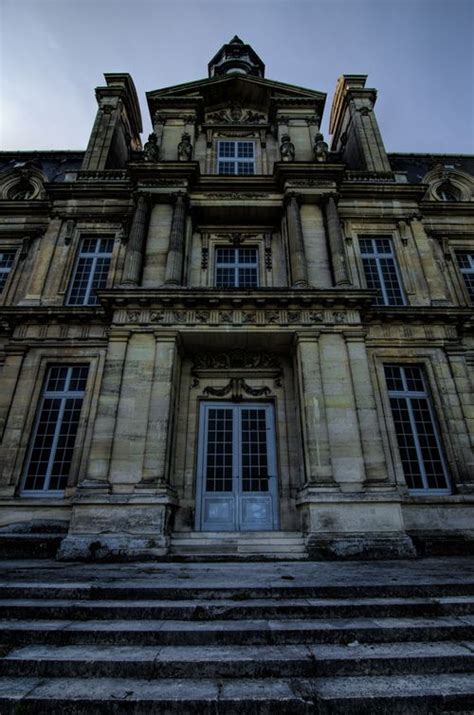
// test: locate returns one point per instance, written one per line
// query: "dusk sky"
(419, 54)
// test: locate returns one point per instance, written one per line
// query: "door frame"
(273, 490)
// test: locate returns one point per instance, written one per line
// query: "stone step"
(416, 694)
(209, 609)
(242, 536)
(238, 661)
(285, 587)
(228, 632)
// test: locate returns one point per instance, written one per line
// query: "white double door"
(237, 477)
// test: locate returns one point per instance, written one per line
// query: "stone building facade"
(236, 339)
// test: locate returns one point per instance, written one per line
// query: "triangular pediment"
(260, 94)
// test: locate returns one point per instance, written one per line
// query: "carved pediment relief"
(235, 114)
(238, 358)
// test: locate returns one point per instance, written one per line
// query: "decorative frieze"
(238, 358)
(237, 316)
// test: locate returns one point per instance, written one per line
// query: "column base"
(120, 527)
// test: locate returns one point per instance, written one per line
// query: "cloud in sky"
(419, 54)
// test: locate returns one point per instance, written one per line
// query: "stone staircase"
(238, 639)
(235, 545)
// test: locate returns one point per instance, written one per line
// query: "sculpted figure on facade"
(320, 149)
(151, 148)
(185, 148)
(287, 148)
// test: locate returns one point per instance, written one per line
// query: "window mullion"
(419, 453)
(91, 278)
(381, 279)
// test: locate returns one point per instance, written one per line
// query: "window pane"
(219, 450)
(417, 436)
(91, 270)
(56, 428)
(236, 267)
(254, 451)
(466, 265)
(6, 263)
(380, 269)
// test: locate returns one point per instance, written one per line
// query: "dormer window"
(236, 157)
(447, 193)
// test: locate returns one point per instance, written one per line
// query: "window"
(236, 267)
(381, 271)
(235, 157)
(446, 192)
(91, 271)
(6, 263)
(417, 435)
(50, 458)
(466, 266)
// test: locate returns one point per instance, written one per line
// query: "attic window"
(446, 192)
(236, 157)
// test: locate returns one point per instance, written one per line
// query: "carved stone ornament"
(151, 150)
(237, 386)
(185, 148)
(320, 149)
(22, 182)
(287, 148)
(238, 358)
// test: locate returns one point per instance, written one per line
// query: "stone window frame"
(426, 359)
(72, 245)
(12, 243)
(44, 359)
(452, 245)
(459, 182)
(211, 240)
(355, 231)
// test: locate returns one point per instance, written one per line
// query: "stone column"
(299, 272)
(160, 415)
(343, 428)
(174, 261)
(336, 244)
(42, 263)
(136, 244)
(105, 421)
(126, 465)
(371, 438)
(317, 458)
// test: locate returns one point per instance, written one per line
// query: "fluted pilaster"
(299, 271)
(174, 261)
(336, 244)
(136, 243)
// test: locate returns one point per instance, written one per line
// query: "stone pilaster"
(336, 243)
(299, 273)
(132, 270)
(462, 430)
(174, 261)
(126, 466)
(161, 410)
(42, 263)
(343, 428)
(106, 418)
(317, 458)
(371, 438)
(434, 278)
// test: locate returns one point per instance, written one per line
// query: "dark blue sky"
(419, 54)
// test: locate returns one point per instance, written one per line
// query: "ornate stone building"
(236, 340)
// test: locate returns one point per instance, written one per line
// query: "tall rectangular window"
(381, 270)
(466, 266)
(6, 263)
(236, 157)
(417, 434)
(91, 270)
(50, 457)
(236, 267)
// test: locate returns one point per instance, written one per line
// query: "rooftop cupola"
(237, 57)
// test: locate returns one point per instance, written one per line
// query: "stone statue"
(185, 148)
(151, 148)
(287, 148)
(320, 148)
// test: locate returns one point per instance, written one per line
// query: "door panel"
(237, 485)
